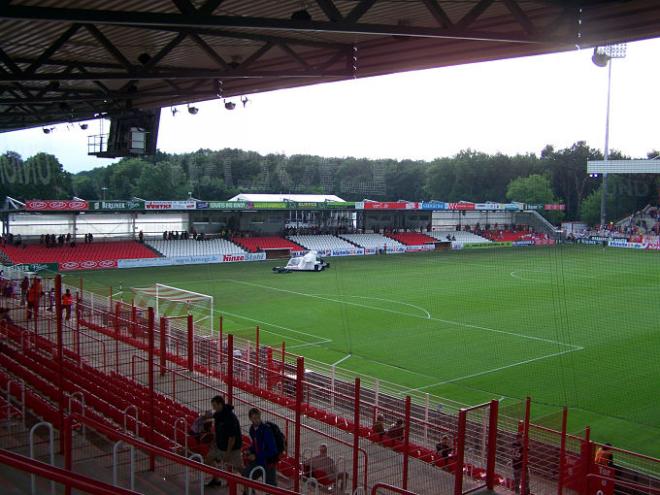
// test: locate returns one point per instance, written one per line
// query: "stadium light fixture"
(192, 110)
(602, 58)
(84, 126)
(230, 105)
(48, 130)
(244, 100)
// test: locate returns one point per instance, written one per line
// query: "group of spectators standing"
(32, 294)
(11, 239)
(267, 444)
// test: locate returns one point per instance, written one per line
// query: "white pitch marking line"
(494, 370)
(341, 360)
(450, 322)
(321, 340)
(428, 315)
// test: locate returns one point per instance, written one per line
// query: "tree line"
(553, 176)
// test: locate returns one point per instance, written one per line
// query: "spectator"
(517, 453)
(322, 467)
(379, 426)
(51, 299)
(25, 285)
(444, 448)
(227, 446)
(91, 238)
(395, 431)
(67, 303)
(604, 456)
(141, 236)
(33, 296)
(263, 450)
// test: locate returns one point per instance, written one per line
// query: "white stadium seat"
(192, 247)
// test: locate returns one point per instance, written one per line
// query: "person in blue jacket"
(263, 450)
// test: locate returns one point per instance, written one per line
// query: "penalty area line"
(342, 360)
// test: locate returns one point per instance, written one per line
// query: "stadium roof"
(70, 60)
(300, 198)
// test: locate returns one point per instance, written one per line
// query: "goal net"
(176, 304)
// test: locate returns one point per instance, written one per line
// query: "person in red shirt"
(67, 303)
(33, 295)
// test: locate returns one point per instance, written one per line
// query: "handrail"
(627, 484)
(51, 453)
(157, 451)
(132, 407)
(59, 475)
(385, 486)
(115, 456)
(200, 459)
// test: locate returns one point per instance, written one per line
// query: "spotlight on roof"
(244, 100)
(84, 126)
(48, 130)
(230, 105)
(600, 58)
(144, 58)
(174, 110)
(192, 110)
(301, 15)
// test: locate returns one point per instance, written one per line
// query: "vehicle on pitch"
(310, 262)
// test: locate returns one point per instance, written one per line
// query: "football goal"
(174, 303)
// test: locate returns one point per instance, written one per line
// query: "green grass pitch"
(569, 325)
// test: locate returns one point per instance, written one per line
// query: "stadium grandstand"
(387, 374)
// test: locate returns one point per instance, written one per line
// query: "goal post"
(173, 303)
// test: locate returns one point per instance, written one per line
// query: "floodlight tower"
(602, 58)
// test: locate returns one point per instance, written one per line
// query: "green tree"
(535, 189)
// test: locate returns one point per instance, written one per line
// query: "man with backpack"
(265, 449)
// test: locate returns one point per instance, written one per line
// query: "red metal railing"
(65, 477)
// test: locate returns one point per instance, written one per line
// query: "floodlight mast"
(602, 57)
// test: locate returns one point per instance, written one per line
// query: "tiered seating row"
(372, 241)
(192, 247)
(459, 236)
(82, 252)
(321, 242)
(412, 238)
(256, 244)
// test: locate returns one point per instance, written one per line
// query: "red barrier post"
(460, 452)
(300, 376)
(524, 475)
(587, 454)
(220, 343)
(76, 335)
(67, 439)
(191, 345)
(163, 345)
(356, 433)
(115, 324)
(60, 356)
(492, 444)
(256, 360)
(133, 321)
(152, 460)
(230, 368)
(562, 451)
(406, 444)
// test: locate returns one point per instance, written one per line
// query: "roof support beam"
(182, 74)
(330, 10)
(520, 16)
(57, 44)
(208, 50)
(110, 48)
(349, 26)
(438, 13)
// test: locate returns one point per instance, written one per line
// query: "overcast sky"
(509, 106)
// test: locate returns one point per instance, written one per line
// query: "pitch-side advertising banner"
(395, 249)
(190, 260)
(347, 252)
(420, 248)
(56, 205)
(170, 205)
(433, 205)
(69, 266)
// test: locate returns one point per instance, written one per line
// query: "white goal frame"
(177, 295)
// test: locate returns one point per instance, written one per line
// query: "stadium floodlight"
(174, 303)
(602, 58)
